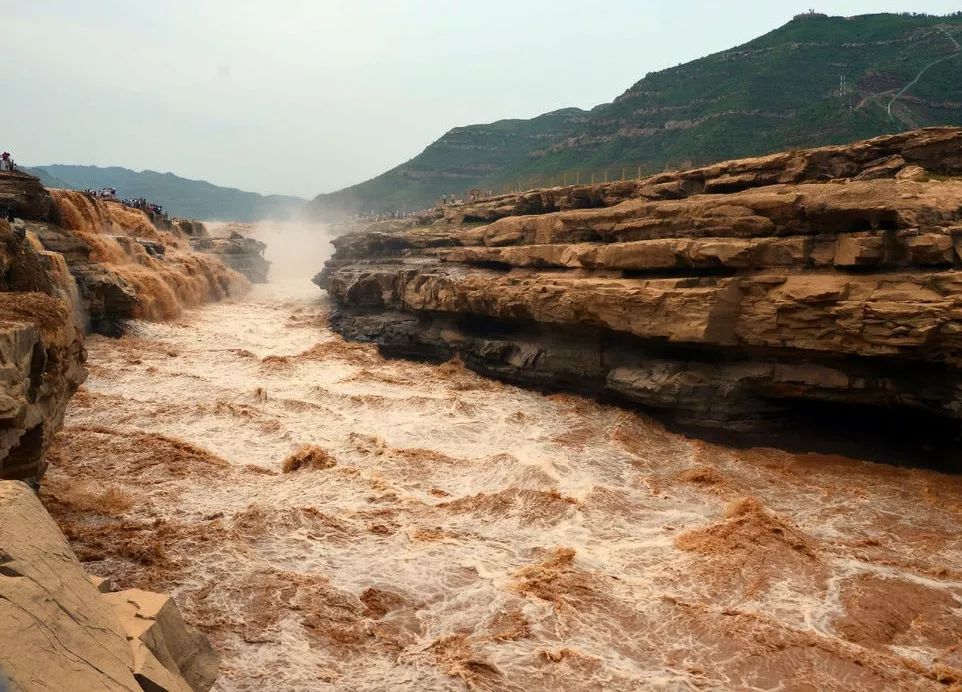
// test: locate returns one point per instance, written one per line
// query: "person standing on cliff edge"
(7, 162)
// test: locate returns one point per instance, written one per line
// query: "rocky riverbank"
(745, 296)
(65, 630)
(41, 351)
(332, 519)
(70, 263)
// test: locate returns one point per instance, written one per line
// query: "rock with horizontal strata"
(26, 197)
(41, 357)
(723, 295)
(241, 253)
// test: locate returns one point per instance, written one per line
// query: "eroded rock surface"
(724, 295)
(129, 264)
(240, 253)
(126, 263)
(41, 355)
(231, 244)
(63, 630)
(167, 653)
(58, 632)
(26, 197)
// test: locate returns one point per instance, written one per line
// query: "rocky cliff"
(26, 197)
(239, 252)
(68, 262)
(71, 263)
(127, 264)
(41, 352)
(732, 297)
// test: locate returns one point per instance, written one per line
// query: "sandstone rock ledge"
(60, 632)
(231, 246)
(730, 297)
(124, 263)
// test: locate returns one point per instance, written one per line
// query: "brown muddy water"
(446, 532)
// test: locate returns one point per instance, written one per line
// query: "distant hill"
(817, 80)
(195, 199)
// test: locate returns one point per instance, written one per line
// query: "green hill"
(817, 80)
(194, 199)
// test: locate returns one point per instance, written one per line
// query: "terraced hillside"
(783, 90)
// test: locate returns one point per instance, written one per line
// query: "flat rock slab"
(58, 632)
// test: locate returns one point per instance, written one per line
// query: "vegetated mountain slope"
(779, 91)
(458, 161)
(195, 199)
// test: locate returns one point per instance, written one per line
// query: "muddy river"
(335, 520)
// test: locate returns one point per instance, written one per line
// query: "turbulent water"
(447, 532)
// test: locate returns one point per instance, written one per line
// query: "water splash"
(165, 286)
(66, 286)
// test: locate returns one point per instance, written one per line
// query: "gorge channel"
(447, 531)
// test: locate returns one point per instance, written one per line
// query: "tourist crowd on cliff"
(6, 162)
(110, 193)
(383, 216)
(473, 195)
(103, 193)
(144, 205)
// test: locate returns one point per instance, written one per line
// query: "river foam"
(451, 532)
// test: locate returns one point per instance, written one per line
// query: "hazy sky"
(307, 96)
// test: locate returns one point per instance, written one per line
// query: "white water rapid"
(449, 532)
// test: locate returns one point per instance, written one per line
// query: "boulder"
(58, 632)
(167, 654)
(63, 629)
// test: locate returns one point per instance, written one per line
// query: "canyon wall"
(41, 352)
(128, 263)
(129, 267)
(729, 297)
(70, 262)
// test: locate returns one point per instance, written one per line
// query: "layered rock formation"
(239, 252)
(26, 197)
(60, 632)
(727, 296)
(41, 352)
(64, 266)
(126, 263)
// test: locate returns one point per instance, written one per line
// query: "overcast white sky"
(308, 96)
